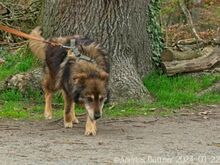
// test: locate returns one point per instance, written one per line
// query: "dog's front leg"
(90, 127)
(75, 120)
(69, 111)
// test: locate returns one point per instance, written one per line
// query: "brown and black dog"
(80, 80)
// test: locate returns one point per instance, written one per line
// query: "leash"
(25, 35)
(28, 36)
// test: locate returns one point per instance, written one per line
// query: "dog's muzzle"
(97, 115)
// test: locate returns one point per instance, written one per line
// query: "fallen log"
(194, 44)
(193, 41)
(24, 82)
(169, 54)
(207, 61)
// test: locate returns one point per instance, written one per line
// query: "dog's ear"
(80, 77)
(103, 75)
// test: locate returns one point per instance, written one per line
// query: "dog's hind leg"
(69, 115)
(48, 94)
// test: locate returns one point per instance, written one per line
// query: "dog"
(81, 81)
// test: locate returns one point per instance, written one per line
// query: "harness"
(76, 52)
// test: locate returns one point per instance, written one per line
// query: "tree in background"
(120, 26)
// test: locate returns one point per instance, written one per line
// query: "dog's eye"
(89, 99)
(102, 98)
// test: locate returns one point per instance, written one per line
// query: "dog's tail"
(37, 47)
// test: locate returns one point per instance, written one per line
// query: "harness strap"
(76, 52)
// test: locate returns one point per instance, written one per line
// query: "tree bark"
(120, 27)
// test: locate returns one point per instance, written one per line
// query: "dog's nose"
(97, 115)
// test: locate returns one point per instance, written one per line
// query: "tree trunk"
(120, 26)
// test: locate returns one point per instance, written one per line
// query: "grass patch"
(13, 110)
(135, 108)
(170, 93)
(10, 95)
(174, 92)
(20, 61)
(21, 110)
(217, 11)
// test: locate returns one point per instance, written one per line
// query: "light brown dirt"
(189, 137)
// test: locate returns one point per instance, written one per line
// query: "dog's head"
(91, 90)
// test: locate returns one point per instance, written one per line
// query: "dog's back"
(55, 55)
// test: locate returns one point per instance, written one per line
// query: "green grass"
(21, 61)
(174, 92)
(29, 110)
(216, 10)
(170, 93)
(12, 109)
(10, 95)
(135, 108)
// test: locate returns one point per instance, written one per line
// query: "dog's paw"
(68, 124)
(90, 130)
(48, 116)
(75, 121)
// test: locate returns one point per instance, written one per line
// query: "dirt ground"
(189, 137)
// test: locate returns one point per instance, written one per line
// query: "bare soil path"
(186, 138)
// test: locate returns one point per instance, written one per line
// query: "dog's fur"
(79, 80)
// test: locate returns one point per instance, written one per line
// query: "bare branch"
(189, 19)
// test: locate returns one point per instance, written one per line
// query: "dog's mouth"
(93, 115)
